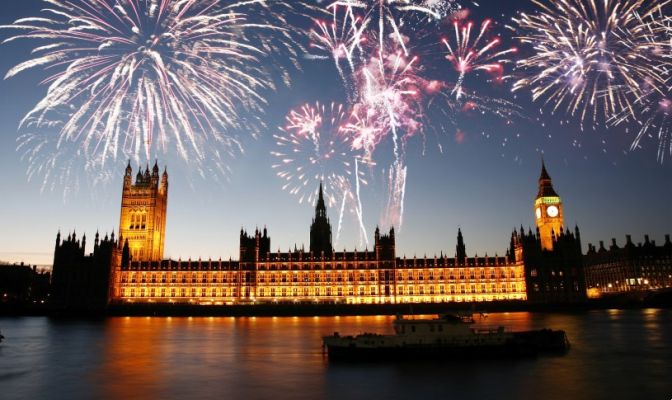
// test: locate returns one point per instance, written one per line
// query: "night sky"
(484, 180)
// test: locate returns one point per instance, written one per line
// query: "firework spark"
(138, 77)
(340, 40)
(388, 14)
(467, 53)
(391, 89)
(590, 55)
(313, 148)
(653, 109)
(391, 98)
(654, 120)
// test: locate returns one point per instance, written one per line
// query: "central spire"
(320, 207)
(320, 230)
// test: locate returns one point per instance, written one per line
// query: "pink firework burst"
(469, 52)
(313, 148)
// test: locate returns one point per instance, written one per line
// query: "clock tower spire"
(547, 210)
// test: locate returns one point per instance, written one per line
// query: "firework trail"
(396, 193)
(133, 78)
(371, 43)
(467, 53)
(653, 109)
(366, 130)
(391, 91)
(655, 121)
(391, 94)
(590, 55)
(340, 39)
(390, 13)
(57, 168)
(313, 148)
(473, 102)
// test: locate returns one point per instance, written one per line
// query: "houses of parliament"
(541, 266)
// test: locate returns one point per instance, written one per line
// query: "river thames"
(615, 354)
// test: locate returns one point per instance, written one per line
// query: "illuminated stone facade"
(143, 213)
(136, 273)
(320, 275)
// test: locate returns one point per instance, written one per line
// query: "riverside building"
(536, 267)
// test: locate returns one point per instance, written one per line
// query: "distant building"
(545, 267)
(23, 284)
(81, 281)
(629, 268)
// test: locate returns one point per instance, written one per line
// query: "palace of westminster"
(542, 266)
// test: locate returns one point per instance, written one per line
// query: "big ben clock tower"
(547, 210)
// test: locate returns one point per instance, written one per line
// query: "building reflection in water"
(265, 357)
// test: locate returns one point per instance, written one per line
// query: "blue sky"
(485, 184)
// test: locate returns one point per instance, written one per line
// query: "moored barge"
(442, 337)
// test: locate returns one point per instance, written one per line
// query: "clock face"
(538, 212)
(552, 211)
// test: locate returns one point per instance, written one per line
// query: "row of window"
(322, 291)
(305, 277)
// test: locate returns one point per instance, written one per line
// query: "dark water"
(614, 355)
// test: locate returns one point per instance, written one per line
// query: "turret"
(320, 230)
(460, 248)
(155, 174)
(163, 188)
(128, 176)
(385, 245)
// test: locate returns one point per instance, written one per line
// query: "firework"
(473, 102)
(387, 14)
(340, 40)
(467, 53)
(391, 90)
(590, 55)
(654, 120)
(366, 130)
(313, 148)
(390, 105)
(138, 77)
(651, 111)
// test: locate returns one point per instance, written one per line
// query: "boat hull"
(521, 344)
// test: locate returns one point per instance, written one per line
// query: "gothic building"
(551, 255)
(143, 213)
(541, 267)
(80, 280)
(632, 267)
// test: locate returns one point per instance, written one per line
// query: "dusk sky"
(479, 175)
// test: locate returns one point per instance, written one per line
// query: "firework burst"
(390, 103)
(590, 55)
(313, 148)
(340, 39)
(468, 53)
(139, 77)
(388, 15)
(654, 122)
(390, 89)
(651, 112)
